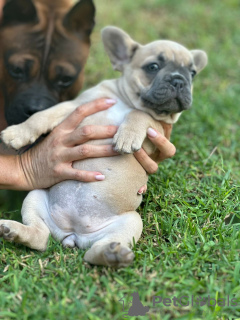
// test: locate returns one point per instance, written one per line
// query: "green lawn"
(186, 247)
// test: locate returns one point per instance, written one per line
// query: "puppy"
(156, 84)
(44, 47)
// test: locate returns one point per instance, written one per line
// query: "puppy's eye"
(16, 72)
(153, 67)
(65, 81)
(193, 73)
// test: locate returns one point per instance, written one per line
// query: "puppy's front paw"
(17, 136)
(127, 141)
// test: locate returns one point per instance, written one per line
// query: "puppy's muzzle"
(178, 82)
(168, 94)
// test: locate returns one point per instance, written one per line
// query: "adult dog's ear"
(119, 46)
(200, 59)
(19, 11)
(81, 18)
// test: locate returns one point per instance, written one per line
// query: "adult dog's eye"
(193, 73)
(16, 72)
(153, 67)
(65, 81)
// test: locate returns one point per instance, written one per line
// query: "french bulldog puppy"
(156, 84)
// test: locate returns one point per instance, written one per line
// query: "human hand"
(50, 161)
(165, 147)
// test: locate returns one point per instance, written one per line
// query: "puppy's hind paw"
(116, 255)
(6, 232)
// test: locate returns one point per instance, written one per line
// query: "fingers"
(165, 147)
(89, 151)
(146, 162)
(80, 175)
(167, 129)
(142, 190)
(76, 117)
(86, 133)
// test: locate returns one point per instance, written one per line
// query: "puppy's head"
(157, 78)
(44, 47)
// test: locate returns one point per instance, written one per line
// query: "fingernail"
(100, 177)
(152, 133)
(110, 101)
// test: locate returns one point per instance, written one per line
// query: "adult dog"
(156, 84)
(44, 47)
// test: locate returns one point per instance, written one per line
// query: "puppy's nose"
(177, 82)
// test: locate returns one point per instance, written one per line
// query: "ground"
(187, 248)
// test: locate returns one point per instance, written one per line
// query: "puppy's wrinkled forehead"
(164, 51)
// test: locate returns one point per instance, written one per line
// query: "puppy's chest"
(117, 113)
(113, 116)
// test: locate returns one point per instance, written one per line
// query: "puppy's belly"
(81, 208)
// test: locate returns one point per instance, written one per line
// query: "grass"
(186, 247)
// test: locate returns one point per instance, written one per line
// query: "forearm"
(11, 173)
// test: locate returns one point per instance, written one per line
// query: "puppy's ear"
(119, 46)
(19, 11)
(81, 18)
(200, 59)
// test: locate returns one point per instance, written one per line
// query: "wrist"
(21, 182)
(24, 171)
(12, 176)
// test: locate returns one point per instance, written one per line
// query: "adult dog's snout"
(36, 98)
(36, 104)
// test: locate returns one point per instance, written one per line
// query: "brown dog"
(44, 47)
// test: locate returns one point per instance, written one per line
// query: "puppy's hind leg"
(34, 232)
(113, 249)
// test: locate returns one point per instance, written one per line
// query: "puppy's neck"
(124, 93)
